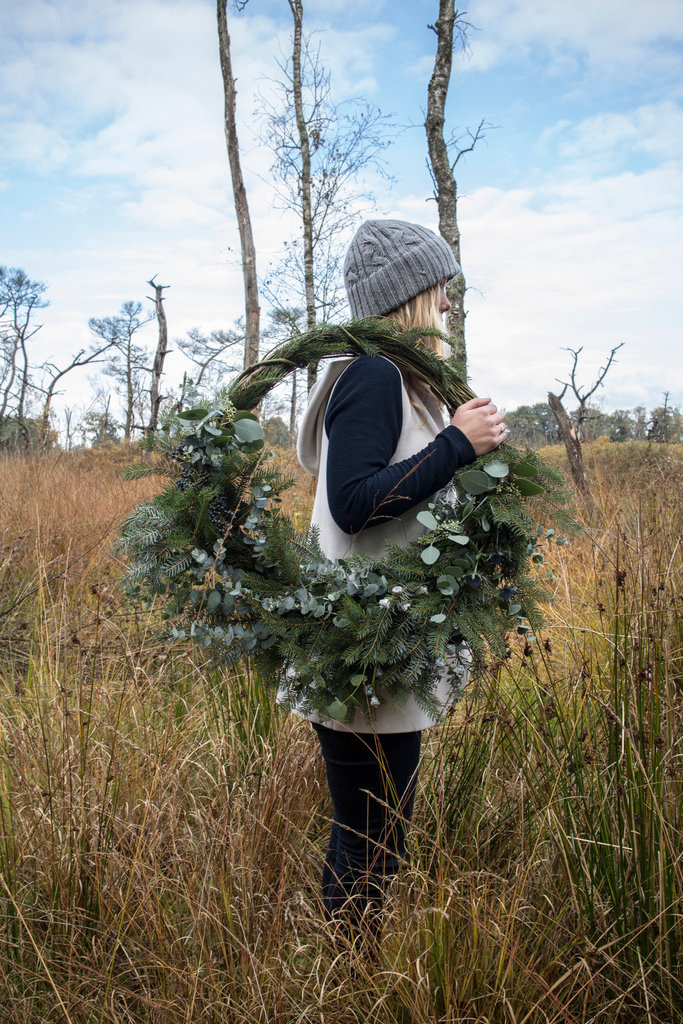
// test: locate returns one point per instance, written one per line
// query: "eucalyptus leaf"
(447, 585)
(248, 430)
(439, 618)
(476, 482)
(528, 487)
(427, 519)
(430, 555)
(497, 468)
(337, 710)
(523, 469)
(192, 414)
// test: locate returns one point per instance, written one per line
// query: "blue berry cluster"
(220, 514)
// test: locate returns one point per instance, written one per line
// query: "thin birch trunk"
(297, 10)
(446, 191)
(251, 343)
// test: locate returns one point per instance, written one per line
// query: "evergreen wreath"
(238, 578)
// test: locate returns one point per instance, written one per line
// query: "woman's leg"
(372, 782)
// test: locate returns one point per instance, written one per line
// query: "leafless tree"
(55, 375)
(287, 323)
(96, 424)
(129, 363)
(320, 149)
(571, 429)
(252, 312)
(444, 155)
(20, 298)
(214, 356)
(155, 396)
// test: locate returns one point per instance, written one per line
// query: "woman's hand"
(481, 423)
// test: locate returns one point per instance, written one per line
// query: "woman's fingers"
(481, 423)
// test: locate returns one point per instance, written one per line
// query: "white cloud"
(35, 145)
(575, 263)
(610, 35)
(122, 104)
(655, 129)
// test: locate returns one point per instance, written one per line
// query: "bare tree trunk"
(572, 445)
(296, 7)
(68, 415)
(78, 360)
(130, 392)
(251, 344)
(445, 186)
(159, 356)
(570, 432)
(292, 410)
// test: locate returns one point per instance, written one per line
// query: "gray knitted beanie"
(392, 261)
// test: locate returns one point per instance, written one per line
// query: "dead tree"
(20, 298)
(450, 30)
(155, 395)
(571, 429)
(50, 389)
(207, 353)
(129, 361)
(320, 149)
(251, 345)
(297, 9)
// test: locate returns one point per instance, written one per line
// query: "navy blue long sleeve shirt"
(363, 422)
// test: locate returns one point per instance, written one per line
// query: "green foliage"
(337, 635)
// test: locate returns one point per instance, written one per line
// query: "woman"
(378, 445)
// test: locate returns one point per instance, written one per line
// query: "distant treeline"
(534, 426)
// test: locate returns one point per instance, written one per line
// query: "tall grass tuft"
(162, 824)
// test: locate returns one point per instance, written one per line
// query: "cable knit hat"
(392, 261)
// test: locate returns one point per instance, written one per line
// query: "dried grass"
(162, 826)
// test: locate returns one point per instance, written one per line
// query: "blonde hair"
(423, 311)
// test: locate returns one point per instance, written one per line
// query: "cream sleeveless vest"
(420, 426)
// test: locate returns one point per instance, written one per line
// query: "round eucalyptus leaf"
(447, 585)
(497, 468)
(248, 430)
(439, 618)
(337, 710)
(430, 555)
(476, 482)
(427, 519)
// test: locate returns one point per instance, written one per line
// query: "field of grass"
(162, 825)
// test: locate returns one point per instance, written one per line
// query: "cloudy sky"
(113, 168)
